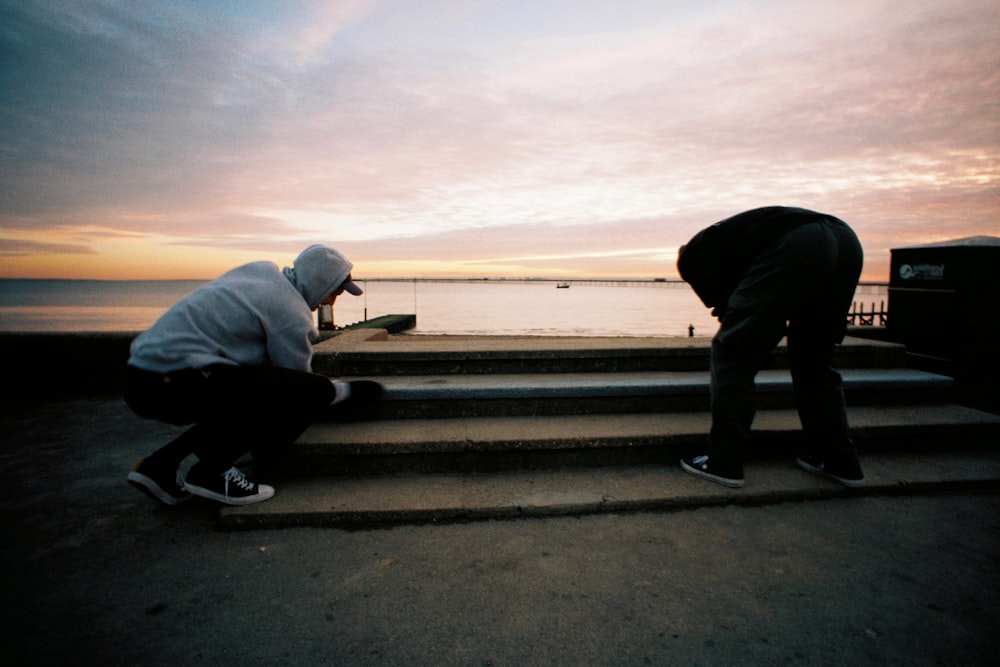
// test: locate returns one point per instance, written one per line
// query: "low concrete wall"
(870, 333)
(62, 364)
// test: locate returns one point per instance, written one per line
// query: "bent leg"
(258, 409)
(177, 398)
(754, 322)
(814, 331)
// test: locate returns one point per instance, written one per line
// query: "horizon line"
(414, 279)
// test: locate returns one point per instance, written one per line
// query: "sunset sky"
(550, 138)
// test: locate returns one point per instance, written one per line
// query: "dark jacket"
(717, 258)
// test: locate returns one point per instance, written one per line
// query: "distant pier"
(863, 287)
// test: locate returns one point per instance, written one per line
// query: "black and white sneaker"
(230, 487)
(158, 483)
(700, 466)
(844, 469)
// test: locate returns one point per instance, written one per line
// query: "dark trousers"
(802, 287)
(233, 409)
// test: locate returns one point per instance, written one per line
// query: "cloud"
(447, 131)
(23, 248)
(322, 23)
(104, 105)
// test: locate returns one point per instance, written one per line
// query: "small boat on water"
(562, 286)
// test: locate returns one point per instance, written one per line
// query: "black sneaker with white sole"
(844, 469)
(230, 487)
(159, 483)
(701, 466)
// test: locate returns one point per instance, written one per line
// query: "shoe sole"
(264, 492)
(724, 481)
(154, 490)
(850, 483)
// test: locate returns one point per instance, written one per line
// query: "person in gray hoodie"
(233, 359)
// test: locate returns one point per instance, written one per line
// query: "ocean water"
(482, 307)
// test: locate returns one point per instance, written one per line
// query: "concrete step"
(486, 428)
(443, 396)
(453, 497)
(504, 443)
(374, 353)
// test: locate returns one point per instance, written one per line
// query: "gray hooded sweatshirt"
(253, 315)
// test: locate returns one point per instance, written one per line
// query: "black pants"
(802, 286)
(233, 409)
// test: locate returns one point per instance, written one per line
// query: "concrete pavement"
(94, 573)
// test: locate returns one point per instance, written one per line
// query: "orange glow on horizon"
(206, 264)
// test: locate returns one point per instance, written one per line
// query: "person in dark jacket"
(768, 273)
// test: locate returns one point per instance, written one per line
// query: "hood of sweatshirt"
(317, 272)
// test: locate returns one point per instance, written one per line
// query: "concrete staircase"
(475, 428)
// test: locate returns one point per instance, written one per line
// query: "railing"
(858, 316)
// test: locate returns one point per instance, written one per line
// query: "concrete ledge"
(484, 355)
(491, 444)
(450, 498)
(63, 364)
(349, 339)
(460, 395)
(580, 385)
(504, 434)
(391, 323)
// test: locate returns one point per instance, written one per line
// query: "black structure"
(944, 305)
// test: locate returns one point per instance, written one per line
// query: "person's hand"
(365, 390)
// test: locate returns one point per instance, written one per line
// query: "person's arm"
(291, 347)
